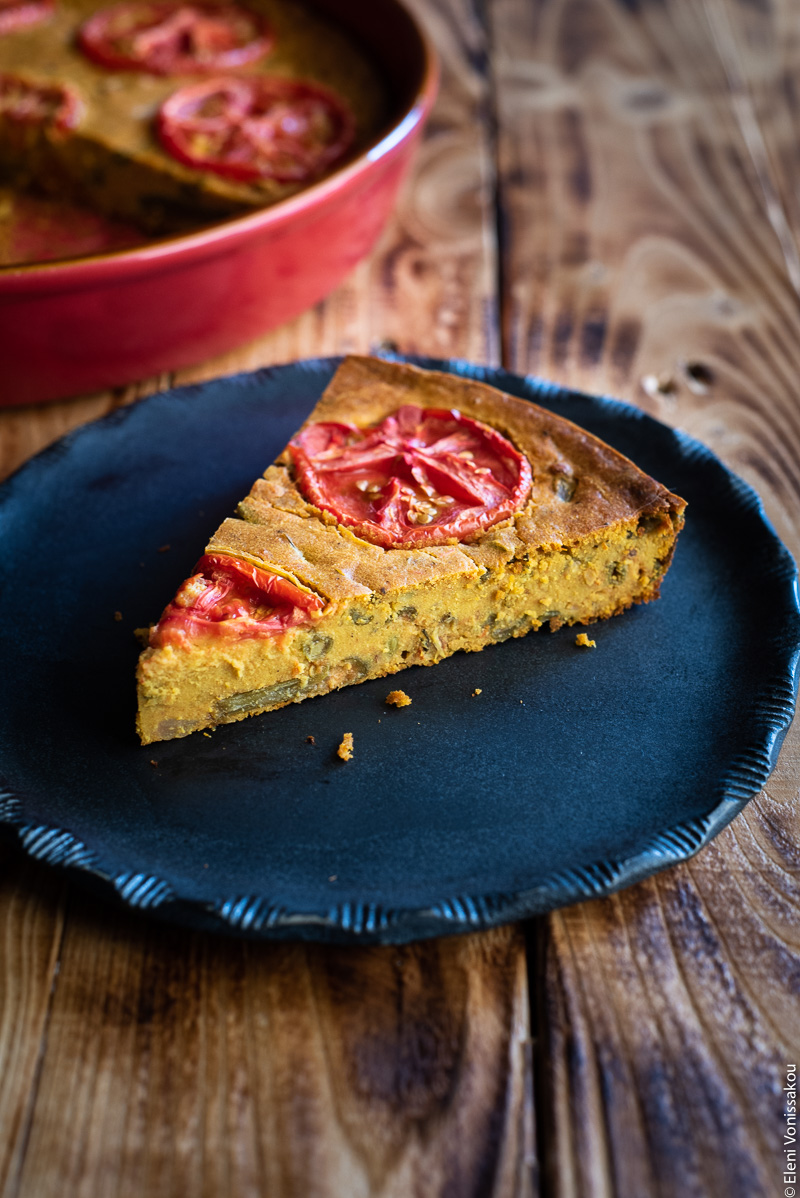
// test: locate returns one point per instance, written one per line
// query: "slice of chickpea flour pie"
(414, 514)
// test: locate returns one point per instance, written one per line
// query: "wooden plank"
(429, 287)
(31, 925)
(645, 256)
(187, 1065)
(760, 58)
(195, 1065)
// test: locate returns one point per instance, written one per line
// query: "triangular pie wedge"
(414, 514)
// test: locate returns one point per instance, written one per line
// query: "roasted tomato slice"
(257, 128)
(173, 38)
(18, 14)
(423, 476)
(229, 597)
(32, 103)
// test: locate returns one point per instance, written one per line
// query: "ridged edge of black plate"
(260, 916)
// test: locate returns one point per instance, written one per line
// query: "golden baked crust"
(595, 535)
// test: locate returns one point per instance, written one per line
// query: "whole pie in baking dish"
(171, 114)
(414, 514)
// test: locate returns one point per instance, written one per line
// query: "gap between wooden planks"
(644, 251)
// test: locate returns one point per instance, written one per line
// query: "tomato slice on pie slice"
(18, 14)
(257, 128)
(423, 476)
(173, 38)
(229, 597)
(31, 103)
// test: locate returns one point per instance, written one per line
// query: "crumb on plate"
(345, 750)
(582, 639)
(118, 616)
(398, 699)
(477, 691)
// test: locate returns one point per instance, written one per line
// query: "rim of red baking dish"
(210, 238)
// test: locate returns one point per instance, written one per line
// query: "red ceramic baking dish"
(70, 327)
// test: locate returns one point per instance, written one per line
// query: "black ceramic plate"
(573, 773)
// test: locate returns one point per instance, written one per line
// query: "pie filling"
(226, 678)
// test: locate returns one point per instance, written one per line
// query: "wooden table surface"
(608, 195)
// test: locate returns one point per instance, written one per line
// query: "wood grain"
(193, 1065)
(31, 926)
(648, 156)
(640, 255)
